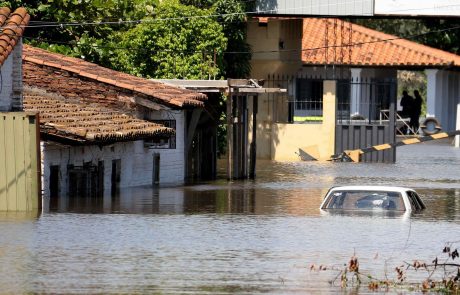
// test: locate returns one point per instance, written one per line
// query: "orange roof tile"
(369, 47)
(159, 92)
(12, 25)
(87, 123)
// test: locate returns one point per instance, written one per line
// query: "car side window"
(415, 202)
(419, 201)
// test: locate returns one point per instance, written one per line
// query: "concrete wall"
(315, 139)
(11, 81)
(136, 159)
(266, 40)
(17, 77)
(288, 138)
(6, 87)
(276, 40)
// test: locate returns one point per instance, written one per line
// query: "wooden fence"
(20, 185)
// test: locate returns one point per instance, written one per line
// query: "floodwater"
(243, 237)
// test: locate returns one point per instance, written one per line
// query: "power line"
(257, 52)
(249, 13)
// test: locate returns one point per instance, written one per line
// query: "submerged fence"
(19, 162)
(359, 101)
(366, 116)
(365, 101)
(365, 110)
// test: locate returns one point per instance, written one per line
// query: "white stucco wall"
(11, 81)
(136, 160)
(6, 86)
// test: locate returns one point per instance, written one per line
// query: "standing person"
(416, 111)
(406, 104)
(406, 112)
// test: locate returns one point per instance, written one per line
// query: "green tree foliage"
(31, 5)
(180, 42)
(91, 38)
(87, 38)
(448, 40)
(232, 16)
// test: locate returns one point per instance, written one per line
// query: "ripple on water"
(242, 237)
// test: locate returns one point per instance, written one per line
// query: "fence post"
(329, 118)
(457, 137)
(229, 134)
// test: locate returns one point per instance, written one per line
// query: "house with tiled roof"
(12, 25)
(102, 129)
(300, 54)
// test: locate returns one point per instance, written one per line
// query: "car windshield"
(364, 200)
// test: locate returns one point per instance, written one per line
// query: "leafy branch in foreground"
(443, 274)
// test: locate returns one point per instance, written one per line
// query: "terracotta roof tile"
(12, 25)
(82, 123)
(158, 92)
(370, 47)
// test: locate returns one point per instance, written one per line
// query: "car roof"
(372, 188)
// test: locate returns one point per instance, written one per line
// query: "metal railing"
(362, 101)
(305, 111)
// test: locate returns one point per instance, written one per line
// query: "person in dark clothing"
(416, 110)
(406, 112)
(406, 104)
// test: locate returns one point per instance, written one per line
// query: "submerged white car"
(372, 198)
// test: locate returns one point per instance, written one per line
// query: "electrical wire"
(248, 13)
(252, 52)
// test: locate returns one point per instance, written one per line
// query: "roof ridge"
(166, 94)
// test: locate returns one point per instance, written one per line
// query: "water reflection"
(242, 198)
(241, 237)
(367, 213)
(6, 216)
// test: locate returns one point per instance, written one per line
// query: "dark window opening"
(415, 201)
(164, 142)
(54, 186)
(156, 169)
(309, 94)
(84, 180)
(116, 175)
(100, 177)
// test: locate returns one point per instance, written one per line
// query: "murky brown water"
(241, 237)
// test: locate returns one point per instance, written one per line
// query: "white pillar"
(442, 102)
(453, 99)
(355, 98)
(457, 137)
(431, 92)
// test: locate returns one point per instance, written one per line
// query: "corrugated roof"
(86, 123)
(159, 92)
(371, 48)
(12, 25)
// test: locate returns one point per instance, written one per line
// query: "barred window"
(309, 95)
